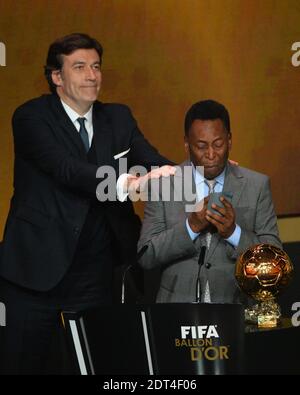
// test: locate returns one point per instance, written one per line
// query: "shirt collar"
(199, 177)
(73, 115)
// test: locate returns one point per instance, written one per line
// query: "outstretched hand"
(233, 162)
(138, 184)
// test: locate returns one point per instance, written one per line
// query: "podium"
(166, 339)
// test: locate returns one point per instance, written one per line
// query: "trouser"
(34, 340)
(31, 331)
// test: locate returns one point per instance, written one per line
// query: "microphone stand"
(200, 263)
(139, 255)
(123, 283)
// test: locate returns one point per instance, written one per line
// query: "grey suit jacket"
(170, 246)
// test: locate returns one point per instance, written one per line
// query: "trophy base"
(265, 314)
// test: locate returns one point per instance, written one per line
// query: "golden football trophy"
(262, 272)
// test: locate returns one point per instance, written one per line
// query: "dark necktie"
(211, 185)
(84, 134)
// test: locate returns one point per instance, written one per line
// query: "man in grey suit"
(172, 237)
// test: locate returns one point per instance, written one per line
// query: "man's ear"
(186, 145)
(56, 77)
(229, 141)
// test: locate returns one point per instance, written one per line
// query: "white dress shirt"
(73, 115)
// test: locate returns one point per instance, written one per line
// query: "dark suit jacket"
(54, 185)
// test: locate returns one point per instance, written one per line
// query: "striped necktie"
(211, 184)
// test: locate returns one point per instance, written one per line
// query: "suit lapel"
(234, 184)
(103, 136)
(185, 187)
(188, 198)
(70, 133)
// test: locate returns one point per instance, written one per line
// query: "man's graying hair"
(65, 46)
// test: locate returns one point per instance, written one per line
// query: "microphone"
(139, 255)
(200, 263)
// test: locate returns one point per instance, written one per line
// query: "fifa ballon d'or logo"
(263, 271)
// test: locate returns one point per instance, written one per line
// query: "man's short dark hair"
(206, 110)
(65, 46)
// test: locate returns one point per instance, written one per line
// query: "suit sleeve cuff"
(121, 192)
(234, 239)
(192, 234)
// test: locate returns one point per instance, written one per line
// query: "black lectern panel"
(196, 338)
(108, 340)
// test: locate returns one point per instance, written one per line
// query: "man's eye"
(96, 67)
(79, 67)
(219, 145)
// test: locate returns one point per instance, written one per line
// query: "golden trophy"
(262, 272)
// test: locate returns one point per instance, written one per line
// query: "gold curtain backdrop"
(161, 56)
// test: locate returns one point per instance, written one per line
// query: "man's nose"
(90, 74)
(210, 153)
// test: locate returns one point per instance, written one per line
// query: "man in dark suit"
(60, 238)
